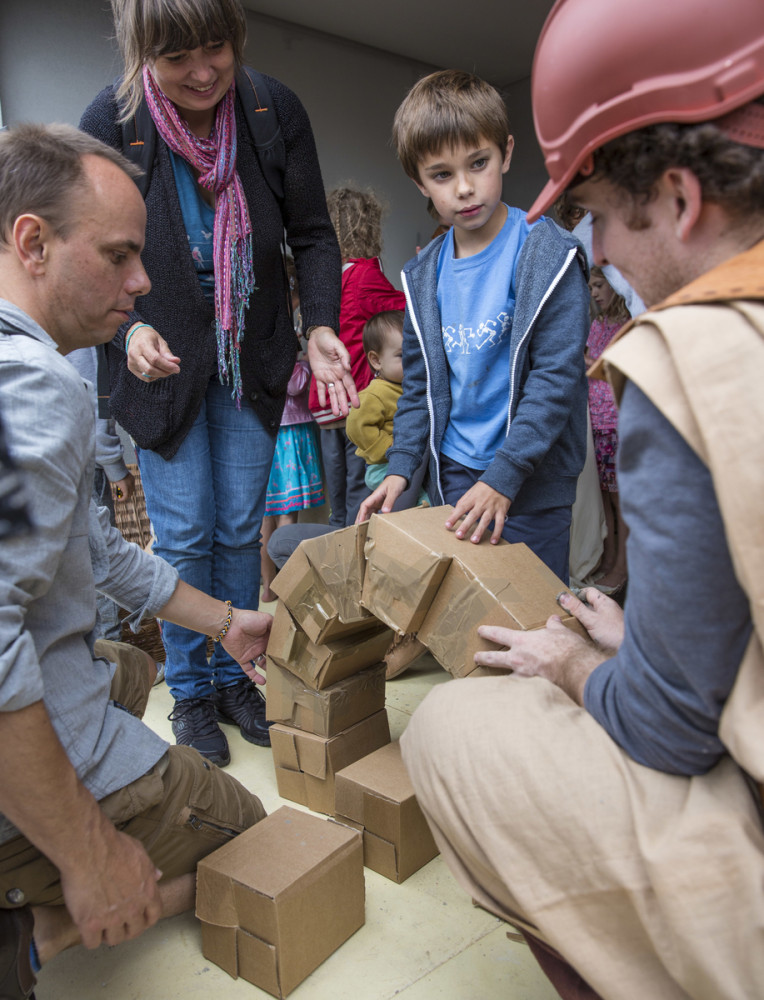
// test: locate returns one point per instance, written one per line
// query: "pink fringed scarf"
(215, 159)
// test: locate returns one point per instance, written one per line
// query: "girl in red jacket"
(357, 219)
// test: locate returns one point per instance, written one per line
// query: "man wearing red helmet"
(610, 807)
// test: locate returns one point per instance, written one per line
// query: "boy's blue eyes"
(475, 165)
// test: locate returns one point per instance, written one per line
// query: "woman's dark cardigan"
(159, 414)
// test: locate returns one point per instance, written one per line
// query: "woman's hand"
(479, 506)
(148, 356)
(330, 364)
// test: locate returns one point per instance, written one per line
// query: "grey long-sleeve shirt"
(48, 579)
(687, 620)
(109, 454)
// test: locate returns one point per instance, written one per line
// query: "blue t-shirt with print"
(199, 220)
(476, 299)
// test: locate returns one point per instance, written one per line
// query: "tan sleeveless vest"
(699, 357)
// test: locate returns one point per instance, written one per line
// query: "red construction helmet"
(603, 68)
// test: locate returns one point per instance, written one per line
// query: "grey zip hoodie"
(543, 453)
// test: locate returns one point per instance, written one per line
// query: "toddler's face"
(390, 358)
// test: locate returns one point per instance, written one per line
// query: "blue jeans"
(344, 473)
(545, 532)
(206, 506)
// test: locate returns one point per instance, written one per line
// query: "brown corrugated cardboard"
(376, 793)
(320, 666)
(505, 585)
(290, 701)
(280, 898)
(306, 764)
(321, 584)
(422, 578)
(407, 555)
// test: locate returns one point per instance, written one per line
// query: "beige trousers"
(650, 885)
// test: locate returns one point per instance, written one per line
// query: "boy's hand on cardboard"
(383, 498)
(479, 506)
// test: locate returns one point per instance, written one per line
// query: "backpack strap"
(263, 127)
(139, 143)
(139, 134)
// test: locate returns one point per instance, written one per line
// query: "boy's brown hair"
(375, 329)
(447, 108)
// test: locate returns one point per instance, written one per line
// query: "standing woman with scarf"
(199, 371)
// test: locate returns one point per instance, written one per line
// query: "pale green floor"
(422, 939)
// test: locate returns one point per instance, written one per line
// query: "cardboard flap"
(349, 798)
(258, 963)
(284, 747)
(219, 946)
(215, 902)
(338, 563)
(298, 750)
(381, 856)
(283, 641)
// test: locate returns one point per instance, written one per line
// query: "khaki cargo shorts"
(181, 810)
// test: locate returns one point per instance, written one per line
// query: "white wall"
(55, 56)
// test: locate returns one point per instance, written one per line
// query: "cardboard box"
(420, 577)
(306, 764)
(328, 712)
(321, 665)
(505, 585)
(407, 555)
(280, 898)
(321, 584)
(376, 793)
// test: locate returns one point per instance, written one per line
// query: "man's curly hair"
(730, 174)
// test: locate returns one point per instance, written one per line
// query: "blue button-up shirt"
(48, 579)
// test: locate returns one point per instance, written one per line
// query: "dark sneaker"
(17, 980)
(242, 705)
(194, 725)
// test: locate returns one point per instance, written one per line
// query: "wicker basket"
(133, 521)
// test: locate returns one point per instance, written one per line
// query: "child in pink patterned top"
(296, 480)
(612, 314)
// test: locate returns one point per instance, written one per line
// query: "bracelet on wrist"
(222, 633)
(137, 326)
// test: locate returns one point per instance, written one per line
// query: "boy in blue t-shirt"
(496, 322)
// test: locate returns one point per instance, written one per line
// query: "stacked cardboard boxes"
(421, 578)
(326, 681)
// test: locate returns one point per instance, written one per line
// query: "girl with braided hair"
(357, 219)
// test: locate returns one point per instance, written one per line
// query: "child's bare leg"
(54, 930)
